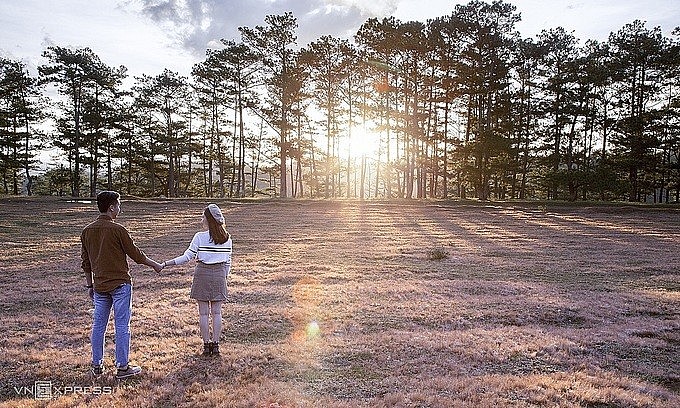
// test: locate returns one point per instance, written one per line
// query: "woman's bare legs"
(203, 316)
(216, 312)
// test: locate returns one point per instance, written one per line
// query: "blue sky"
(149, 35)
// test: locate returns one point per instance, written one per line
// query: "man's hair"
(106, 199)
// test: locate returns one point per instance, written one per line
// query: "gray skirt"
(210, 282)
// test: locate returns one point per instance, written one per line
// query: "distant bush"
(437, 254)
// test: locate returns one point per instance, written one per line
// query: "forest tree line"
(460, 106)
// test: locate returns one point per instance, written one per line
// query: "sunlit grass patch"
(262, 329)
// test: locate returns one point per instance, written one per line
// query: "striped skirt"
(210, 282)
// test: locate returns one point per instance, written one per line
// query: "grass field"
(418, 304)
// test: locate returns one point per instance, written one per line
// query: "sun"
(362, 143)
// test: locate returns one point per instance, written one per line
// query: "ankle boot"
(215, 349)
(207, 349)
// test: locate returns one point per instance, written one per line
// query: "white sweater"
(205, 250)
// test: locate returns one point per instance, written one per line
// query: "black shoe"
(207, 349)
(215, 349)
(128, 371)
(97, 369)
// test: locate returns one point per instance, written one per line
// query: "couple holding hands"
(105, 246)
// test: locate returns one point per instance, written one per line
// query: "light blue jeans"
(120, 299)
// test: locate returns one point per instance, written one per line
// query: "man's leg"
(122, 312)
(100, 319)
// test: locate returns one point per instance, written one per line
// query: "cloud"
(200, 24)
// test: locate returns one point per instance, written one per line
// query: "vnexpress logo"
(45, 390)
(42, 390)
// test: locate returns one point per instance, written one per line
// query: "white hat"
(216, 213)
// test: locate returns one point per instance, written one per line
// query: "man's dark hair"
(106, 199)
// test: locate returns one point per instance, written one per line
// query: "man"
(105, 245)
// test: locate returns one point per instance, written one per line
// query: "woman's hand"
(158, 267)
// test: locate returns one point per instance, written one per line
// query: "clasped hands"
(158, 267)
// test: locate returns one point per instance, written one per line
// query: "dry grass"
(418, 304)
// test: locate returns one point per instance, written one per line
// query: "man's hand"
(155, 265)
(158, 267)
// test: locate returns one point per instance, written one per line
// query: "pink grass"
(558, 306)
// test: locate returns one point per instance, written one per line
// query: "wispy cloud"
(198, 24)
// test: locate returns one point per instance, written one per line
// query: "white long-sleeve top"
(205, 250)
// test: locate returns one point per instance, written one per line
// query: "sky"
(148, 36)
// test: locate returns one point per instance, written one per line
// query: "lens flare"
(313, 330)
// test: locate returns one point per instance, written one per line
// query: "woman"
(212, 248)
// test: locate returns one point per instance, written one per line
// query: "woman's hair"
(106, 199)
(218, 233)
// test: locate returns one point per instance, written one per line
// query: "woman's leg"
(203, 313)
(216, 312)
